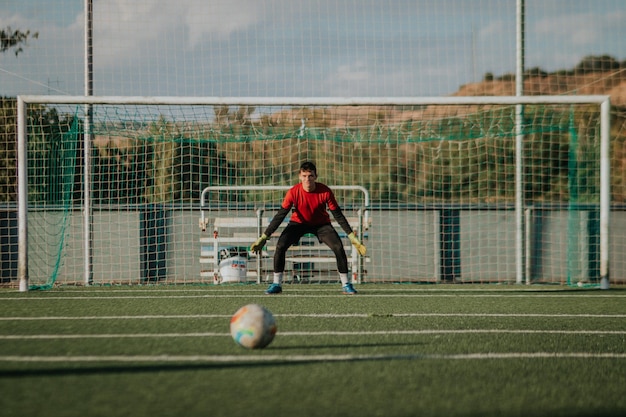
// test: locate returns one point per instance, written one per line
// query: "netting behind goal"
(442, 179)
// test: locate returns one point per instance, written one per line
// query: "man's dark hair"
(308, 166)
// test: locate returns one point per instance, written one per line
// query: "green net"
(51, 195)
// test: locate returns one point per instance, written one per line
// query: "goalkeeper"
(309, 200)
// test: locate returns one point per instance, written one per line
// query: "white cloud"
(492, 30)
(356, 72)
(560, 42)
(578, 29)
(220, 17)
(125, 26)
(615, 20)
(349, 80)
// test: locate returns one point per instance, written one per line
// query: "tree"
(10, 39)
(594, 63)
(13, 38)
(535, 72)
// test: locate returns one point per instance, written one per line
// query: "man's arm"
(341, 219)
(343, 222)
(271, 228)
(276, 221)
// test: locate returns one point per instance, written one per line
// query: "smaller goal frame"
(603, 101)
(360, 227)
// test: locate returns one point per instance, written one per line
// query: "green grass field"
(392, 350)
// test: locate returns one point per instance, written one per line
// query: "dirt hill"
(611, 83)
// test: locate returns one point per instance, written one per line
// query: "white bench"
(302, 262)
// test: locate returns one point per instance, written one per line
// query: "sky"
(298, 48)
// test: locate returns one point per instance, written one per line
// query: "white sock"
(344, 277)
(278, 278)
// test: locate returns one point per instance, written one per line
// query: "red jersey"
(310, 207)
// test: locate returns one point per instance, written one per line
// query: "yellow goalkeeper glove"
(258, 245)
(357, 244)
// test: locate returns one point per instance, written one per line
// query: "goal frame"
(360, 225)
(603, 101)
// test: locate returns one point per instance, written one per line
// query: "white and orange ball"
(253, 326)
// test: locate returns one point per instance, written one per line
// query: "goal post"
(442, 173)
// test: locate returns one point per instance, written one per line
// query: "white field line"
(307, 358)
(54, 297)
(315, 315)
(309, 334)
(257, 289)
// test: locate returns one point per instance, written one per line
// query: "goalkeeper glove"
(258, 245)
(357, 244)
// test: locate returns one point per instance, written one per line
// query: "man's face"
(307, 178)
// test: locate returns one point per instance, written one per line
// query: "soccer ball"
(253, 326)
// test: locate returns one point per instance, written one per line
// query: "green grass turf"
(392, 350)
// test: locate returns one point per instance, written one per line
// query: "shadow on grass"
(209, 365)
(185, 367)
(138, 369)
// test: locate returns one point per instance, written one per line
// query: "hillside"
(612, 83)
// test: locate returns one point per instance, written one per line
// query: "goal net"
(459, 189)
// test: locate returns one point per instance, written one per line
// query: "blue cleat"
(348, 289)
(274, 289)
